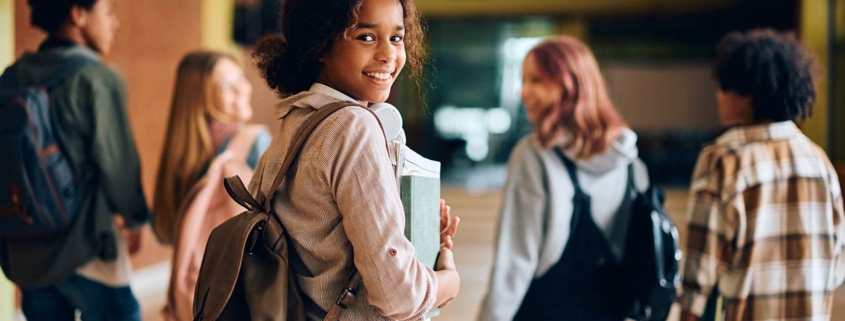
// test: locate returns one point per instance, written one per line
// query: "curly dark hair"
(289, 62)
(774, 69)
(49, 15)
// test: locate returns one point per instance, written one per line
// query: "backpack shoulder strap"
(243, 140)
(66, 70)
(632, 184)
(633, 173)
(235, 186)
(10, 77)
(298, 141)
(347, 297)
(236, 189)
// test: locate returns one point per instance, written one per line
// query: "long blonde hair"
(188, 148)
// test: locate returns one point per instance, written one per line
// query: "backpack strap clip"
(347, 297)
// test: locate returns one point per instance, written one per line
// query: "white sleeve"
(520, 235)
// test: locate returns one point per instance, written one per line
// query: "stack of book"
(419, 188)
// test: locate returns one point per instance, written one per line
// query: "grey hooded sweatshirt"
(88, 111)
(537, 209)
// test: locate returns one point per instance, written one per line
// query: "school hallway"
(473, 255)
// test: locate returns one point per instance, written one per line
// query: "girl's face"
(538, 93)
(366, 62)
(232, 92)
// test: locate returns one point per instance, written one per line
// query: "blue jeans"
(95, 301)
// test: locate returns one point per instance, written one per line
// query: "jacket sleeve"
(355, 165)
(113, 148)
(839, 228)
(520, 235)
(710, 233)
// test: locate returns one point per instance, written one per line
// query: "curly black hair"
(774, 69)
(49, 15)
(289, 62)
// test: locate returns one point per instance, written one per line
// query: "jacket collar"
(746, 134)
(317, 96)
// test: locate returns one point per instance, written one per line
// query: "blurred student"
(86, 267)
(349, 218)
(207, 139)
(544, 259)
(766, 220)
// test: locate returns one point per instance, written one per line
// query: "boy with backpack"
(69, 165)
(766, 228)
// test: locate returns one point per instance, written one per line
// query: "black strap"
(572, 170)
(579, 199)
(631, 183)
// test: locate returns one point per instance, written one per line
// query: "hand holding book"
(448, 225)
(445, 260)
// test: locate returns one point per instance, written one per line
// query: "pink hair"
(584, 110)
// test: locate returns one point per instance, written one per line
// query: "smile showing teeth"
(379, 75)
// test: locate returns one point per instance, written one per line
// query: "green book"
(421, 199)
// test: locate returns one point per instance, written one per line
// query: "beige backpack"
(206, 206)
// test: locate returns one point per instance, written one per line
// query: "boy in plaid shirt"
(766, 214)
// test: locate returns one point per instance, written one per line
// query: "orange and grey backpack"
(40, 193)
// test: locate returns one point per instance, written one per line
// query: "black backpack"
(648, 275)
(652, 255)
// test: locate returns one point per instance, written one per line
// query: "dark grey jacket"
(88, 111)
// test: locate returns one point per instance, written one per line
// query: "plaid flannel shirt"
(766, 225)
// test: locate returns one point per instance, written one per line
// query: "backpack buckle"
(346, 298)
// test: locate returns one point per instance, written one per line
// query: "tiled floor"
(473, 254)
